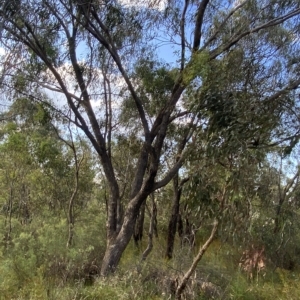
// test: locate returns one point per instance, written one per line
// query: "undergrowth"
(39, 266)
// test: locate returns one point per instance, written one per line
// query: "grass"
(154, 279)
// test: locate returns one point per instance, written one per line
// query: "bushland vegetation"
(149, 150)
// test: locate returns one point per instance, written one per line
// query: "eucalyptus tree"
(83, 53)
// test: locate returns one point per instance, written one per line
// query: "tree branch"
(291, 182)
(235, 39)
(199, 21)
(182, 29)
(214, 36)
(109, 45)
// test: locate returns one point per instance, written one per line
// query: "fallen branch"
(191, 270)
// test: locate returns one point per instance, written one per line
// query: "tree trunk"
(277, 225)
(180, 229)
(151, 230)
(173, 219)
(139, 225)
(9, 215)
(116, 245)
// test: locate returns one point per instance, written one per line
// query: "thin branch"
(5, 5)
(35, 46)
(109, 45)
(214, 36)
(183, 182)
(169, 176)
(291, 182)
(182, 29)
(60, 20)
(235, 39)
(291, 86)
(181, 155)
(57, 89)
(180, 114)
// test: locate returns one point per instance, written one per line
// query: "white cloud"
(2, 51)
(151, 4)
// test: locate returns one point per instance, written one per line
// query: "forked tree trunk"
(116, 247)
(117, 244)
